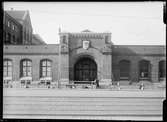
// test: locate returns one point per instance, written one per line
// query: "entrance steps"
(83, 104)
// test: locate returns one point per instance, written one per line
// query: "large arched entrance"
(85, 69)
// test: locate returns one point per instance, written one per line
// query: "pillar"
(154, 71)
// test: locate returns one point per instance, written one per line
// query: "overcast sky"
(131, 23)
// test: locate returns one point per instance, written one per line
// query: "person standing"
(97, 83)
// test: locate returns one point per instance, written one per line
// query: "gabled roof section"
(20, 16)
(17, 14)
(139, 49)
(37, 40)
(86, 30)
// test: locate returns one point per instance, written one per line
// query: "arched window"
(7, 68)
(26, 68)
(162, 70)
(124, 67)
(144, 69)
(45, 68)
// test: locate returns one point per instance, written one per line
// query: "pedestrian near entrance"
(97, 83)
(141, 86)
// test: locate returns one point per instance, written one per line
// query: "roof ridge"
(26, 12)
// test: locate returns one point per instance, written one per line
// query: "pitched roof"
(139, 49)
(37, 40)
(86, 30)
(19, 15)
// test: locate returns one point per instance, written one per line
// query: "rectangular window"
(26, 68)
(8, 38)
(7, 68)
(45, 68)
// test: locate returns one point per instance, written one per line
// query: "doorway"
(85, 69)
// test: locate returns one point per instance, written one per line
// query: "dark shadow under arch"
(85, 69)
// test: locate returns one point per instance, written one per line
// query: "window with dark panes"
(8, 38)
(26, 68)
(124, 67)
(144, 68)
(162, 70)
(45, 68)
(7, 68)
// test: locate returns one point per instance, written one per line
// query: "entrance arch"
(85, 69)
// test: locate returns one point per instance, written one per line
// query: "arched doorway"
(162, 70)
(144, 70)
(124, 67)
(85, 69)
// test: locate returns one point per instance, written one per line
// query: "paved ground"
(83, 104)
(83, 92)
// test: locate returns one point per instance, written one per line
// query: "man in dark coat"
(97, 83)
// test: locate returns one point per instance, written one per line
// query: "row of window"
(11, 39)
(26, 68)
(11, 25)
(144, 68)
(46, 64)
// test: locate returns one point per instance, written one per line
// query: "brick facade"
(106, 56)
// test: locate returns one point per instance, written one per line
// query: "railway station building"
(83, 56)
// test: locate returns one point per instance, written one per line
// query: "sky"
(130, 23)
